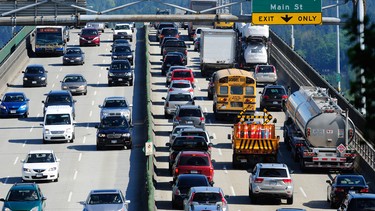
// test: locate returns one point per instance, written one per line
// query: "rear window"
(174, 43)
(125, 49)
(35, 70)
(169, 32)
(89, 32)
(275, 91)
(207, 197)
(265, 69)
(266, 172)
(182, 74)
(190, 113)
(347, 180)
(194, 133)
(185, 142)
(361, 204)
(173, 58)
(188, 182)
(180, 85)
(193, 161)
(223, 90)
(180, 97)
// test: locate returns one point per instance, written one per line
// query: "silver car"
(181, 86)
(75, 83)
(206, 198)
(105, 199)
(265, 74)
(189, 115)
(168, 77)
(176, 131)
(175, 99)
(115, 106)
(271, 179)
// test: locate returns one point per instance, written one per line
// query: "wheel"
(98, 148)
(45, 141)
(130, 83)
(57, 179)
(25, 115)
(109, 83)
(302, 164)
(289, 200)
(73, 137)
(131, 40)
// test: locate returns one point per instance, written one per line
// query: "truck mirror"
(229, 136)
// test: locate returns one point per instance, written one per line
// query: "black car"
(168, 32)
(171, 60)
(120, 72)
(358, 202)
(113, 131)
(74, 55)
(120, 42)
(340, 186)
(59, 97)
(161, 26)
(182, 55)
(165, 39)
(273, 96)
(122, 52)
(191, 143)
(35, 75)
(182, 186)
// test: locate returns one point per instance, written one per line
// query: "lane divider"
(15, 162)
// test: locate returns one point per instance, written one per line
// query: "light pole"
(338, 50)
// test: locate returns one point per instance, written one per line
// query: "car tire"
(25, 115)
(131, 83)
(210, 96)
(73, 137)
(99, 148)
(131, 40)
(57, 179)
(45, 141)
(289, 200)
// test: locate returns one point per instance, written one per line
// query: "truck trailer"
(318, 131)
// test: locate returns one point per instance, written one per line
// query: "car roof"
(195, 129)
(73, 74)
(104, 191)
(272, 165)
(40, 151)
(20, 186)
(205, 189)
(59, 92)
(14, 93)
(34, 65)
(195, 153)
(114, 98)
(181, 81)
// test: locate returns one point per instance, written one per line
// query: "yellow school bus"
(234, 90)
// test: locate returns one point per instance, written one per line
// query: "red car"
(194, 162)
(89, 36)
(183, 74)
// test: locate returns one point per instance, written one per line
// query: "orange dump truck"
(253, 142)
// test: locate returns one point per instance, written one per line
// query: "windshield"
(40, 158)
(265, 69)
(125, 49)
(14, 98)
(120, 66)
(265, 172)
(35, 70)
(193, 161)
(89, 32)
(180, 97)
(207, 197)
(118, 27)
(23, 195)
(58, 119)
(275, 91)
(105, 199)
(74, 79)
(73, 51)
(115, 103)
(182, 74)
(189, 143)
(49, 38)
(59, 99)
(170, 32)
(191, 182)
(114, 122)
(173, 43)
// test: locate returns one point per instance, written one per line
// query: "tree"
(362, 64)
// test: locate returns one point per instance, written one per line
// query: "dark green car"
(24, 196)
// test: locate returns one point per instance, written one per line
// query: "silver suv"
(175, 99)
(265, 74)
(271, 179)
(189, 115)
(115, 106)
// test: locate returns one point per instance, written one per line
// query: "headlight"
(23, 106)
(46, 131)
(82, 86)
(126, 135)
(115, 57)
(82, 38)
(130, 56)
(101, 135)
(26, 170)
(78, 58)
(3, 107)
(66, 58)
(128, 74)
(43, 78)
(52, 169)
(7, 209)
(110, 74)
(95, 38)
(64, 87)
(25, 79)
(68, 130)
(35, 209)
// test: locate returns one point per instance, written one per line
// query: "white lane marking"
(213, 135)
(24, 143)
(100, 75)
(84, 139)
(53, 85)
(70, 196)
(92, 102)
(209, 121)
(196, 80)
(6, 180)
(75, 175)
(205, 109)
(87, 126)
(303, 192)
(80, 157)
(60, 69)
(97, 83)
(94, 92)
(38, 115)
(225, 169)
(15, 161)
(220, 153)
(90, 113)
(232, 189)
(31, 129)
(57, 76)
(199, 88)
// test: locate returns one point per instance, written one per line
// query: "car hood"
(40, 165)
(72, 55)
(113, 130)
(103, 207)
(73, 83)
(11, 105)
(21, 205)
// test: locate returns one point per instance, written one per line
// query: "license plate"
(189, 122)
(39, 175)
(34, 82)
(73, 90)
(71, 60)
(275, 102)
(122, 37)
(120, 79)
(88, 41)
(243, 160)
(113, 141)
(193, 172)
(273, 182)
(12, 111)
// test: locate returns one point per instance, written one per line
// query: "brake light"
(191, 90)
(211, 171)
(258, 180)
(170, 89)
(222, 199)
(308, 131)
(266, 97)
(274, 69)
(339, 189)
(176, 171)
(202, 119)
(167, 104)
(284, 97)
(364, 190)
(178, 118)
(192, 197)
(287, 181)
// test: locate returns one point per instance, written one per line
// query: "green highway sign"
(286, 6)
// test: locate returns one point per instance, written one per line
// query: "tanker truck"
(317, 131)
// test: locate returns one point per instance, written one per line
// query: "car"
(182, 55)
(193, 131)
(168, 32)
(189, 115)
(273, 96)
(165, 39)
(194, 162)
(290, 209)
(169, 73)
(24, 196)
(183, 74)
(211, 86)
(175, 99)
(358, 202)
(116, 106)
(340, 186)
(120, 72)
(197, 44)
(40, 165)
(100, 26)
(14, 104)
(120, 41)
(34, 75)
(186, 143)
(59, 97)
(122, 52)
(75, 83)
(206, 198)
(265, 74)
(123, 31)
(171, 60)
(89, 36)
(105, 199)
(182, 185)
(181, 86)
(73, 55)
(271, 180)
(176, 131)
(161, 26)
(175, 46)
(113, 131)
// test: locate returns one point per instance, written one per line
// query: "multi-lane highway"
(82, 168)
(309, 188)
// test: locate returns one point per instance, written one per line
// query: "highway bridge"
(83, 168)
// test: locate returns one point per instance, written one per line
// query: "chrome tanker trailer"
(318, 131)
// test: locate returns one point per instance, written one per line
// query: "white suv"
(40, 165)
(123, 31)
(271, 179)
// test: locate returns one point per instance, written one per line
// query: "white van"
(58, 124)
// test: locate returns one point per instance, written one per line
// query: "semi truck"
(318, 131)
(217, 50)
(252, 143)
(198, 6)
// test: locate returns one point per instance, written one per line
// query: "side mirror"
(226, 196)
(110, 51)
(163, 98)
(74, 101)
(41, 124)
(79, 33)
(46, 71)
(42, 101)
(2, 199)
(27, 99)
(127, 201)
(44, 198)
(229, 136)
(57, 159)
(260, 92)
(213, 160)
(171, 182)
(207, 79)
(168, 144)
(274, 120)
(210, 145)
(22, 161)
(82, 203)
(107, 68)
(100, 106)
(23, 71)
(211, 137)
(205, 113)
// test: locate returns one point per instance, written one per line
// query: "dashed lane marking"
(232, 189)
(70, 196)
(79, 157)
(303, 192)
(15, 161)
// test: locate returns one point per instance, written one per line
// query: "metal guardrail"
(364, 149)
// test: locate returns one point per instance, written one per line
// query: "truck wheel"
(289, 200)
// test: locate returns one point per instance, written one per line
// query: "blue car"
(14, 104)
(24, 196)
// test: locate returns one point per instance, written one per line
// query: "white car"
(256, 53)
(123, 31)
(181, 86)
(175, 99)
(40, 165)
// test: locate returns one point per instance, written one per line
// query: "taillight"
(164, 51)
(202, 119)
(178, 118)
(191, 90)
(258, 180)
(287, 181)
(167, 104)
(192, 197)
(364, 190)
(170, 89)
(274, 69)
(308, 131)
(211, 171)
(176, 171)
(222, 199)
(284, 97)
(266, 97)
(339, 189)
